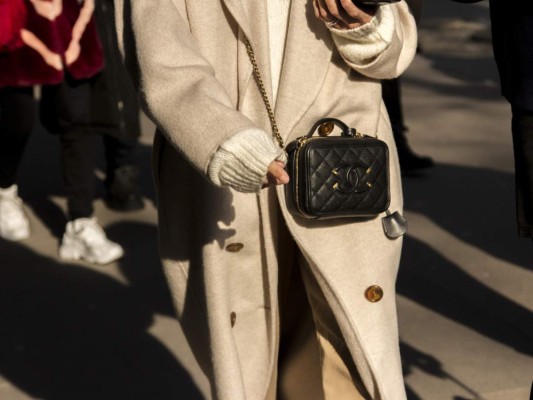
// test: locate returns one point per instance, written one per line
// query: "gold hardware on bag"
(351, 178)
(326, 128)
(234, 247)
(301, 141)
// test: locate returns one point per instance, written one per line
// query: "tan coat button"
(374, 293)
(234, 247)
(233, 319)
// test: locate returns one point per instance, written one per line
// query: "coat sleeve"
(398, 53)
(177, 86)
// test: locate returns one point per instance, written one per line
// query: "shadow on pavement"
(70, 332)
(448, 9)
(414, 358)
(456, 40)
(434, 282)
(478, 77)
(49, 213)
(476, 205)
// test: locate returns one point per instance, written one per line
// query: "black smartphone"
(376, 3)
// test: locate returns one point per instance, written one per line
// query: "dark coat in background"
(114, 106)
(512, 38)
(512, 35)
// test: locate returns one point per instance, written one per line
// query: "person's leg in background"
(409, 160)
(392, 96)
(115, 115)
(522, 128)
(65, 109)
(17, 108)
(122, 176)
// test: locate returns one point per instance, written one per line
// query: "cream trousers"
(313, 360)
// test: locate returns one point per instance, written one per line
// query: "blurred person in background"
(392, 96)
(53, 44)
(115, 114)
(512, 41)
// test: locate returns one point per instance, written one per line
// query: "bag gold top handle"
(262, 89)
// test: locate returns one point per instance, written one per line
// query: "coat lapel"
(251, 16)
(302, 45)
(237, 10)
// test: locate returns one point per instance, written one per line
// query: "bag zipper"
(301, 141)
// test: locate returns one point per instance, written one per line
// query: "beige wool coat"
(218, 246)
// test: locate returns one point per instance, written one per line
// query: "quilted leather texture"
(341, 177)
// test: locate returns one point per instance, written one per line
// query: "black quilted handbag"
(338, 176)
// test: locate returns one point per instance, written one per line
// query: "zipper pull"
(301, 141)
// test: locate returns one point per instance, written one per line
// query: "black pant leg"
(17, 108)
(391, 92)
(522, 128)
(77, 157)
(65, 110)
(119, 152)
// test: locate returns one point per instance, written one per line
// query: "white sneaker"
(85, 240)
(14, 224)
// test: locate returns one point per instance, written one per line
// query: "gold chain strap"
(261, 86)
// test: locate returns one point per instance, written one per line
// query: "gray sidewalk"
(466, 282)
(465, 291)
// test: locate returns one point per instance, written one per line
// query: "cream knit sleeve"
(241, 162)
(366, 42)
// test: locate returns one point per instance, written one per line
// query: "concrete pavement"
(465, 286)
(76, 331)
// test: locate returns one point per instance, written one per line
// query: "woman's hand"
(342, 14)
(276, 174)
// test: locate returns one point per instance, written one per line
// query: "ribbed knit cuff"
(242, 161)
(367, 41)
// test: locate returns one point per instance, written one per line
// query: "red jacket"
(40, 40)
(12, 20)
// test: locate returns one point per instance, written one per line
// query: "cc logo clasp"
(352, 179)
